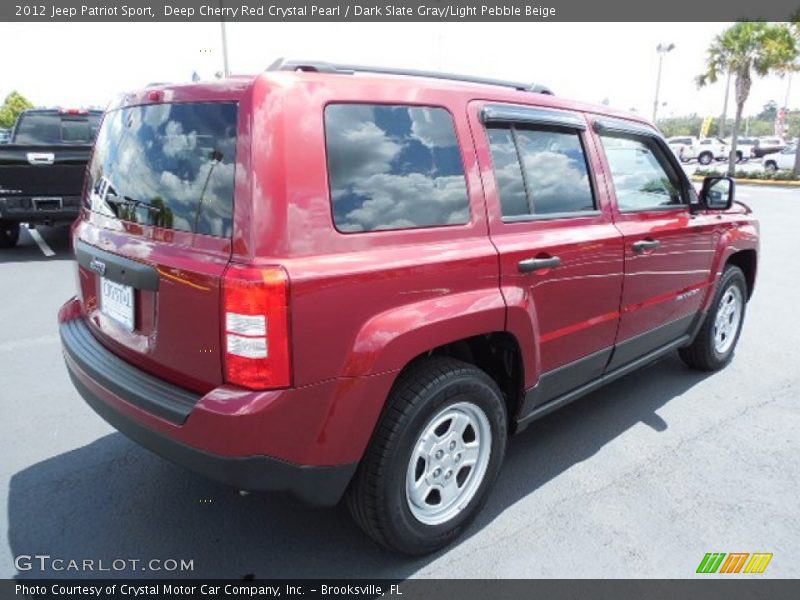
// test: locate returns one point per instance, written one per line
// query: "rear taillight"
(255, 325)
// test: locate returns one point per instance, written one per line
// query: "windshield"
(169, 165)
(48, 128)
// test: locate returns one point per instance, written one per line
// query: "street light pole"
(662, 49)
(225, 70)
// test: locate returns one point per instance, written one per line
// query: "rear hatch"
(48, 156)
(155, 241)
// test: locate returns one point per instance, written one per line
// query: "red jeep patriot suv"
(339, 281)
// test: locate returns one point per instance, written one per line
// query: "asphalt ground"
(639, 479)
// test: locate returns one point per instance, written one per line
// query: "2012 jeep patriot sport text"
(339, 283)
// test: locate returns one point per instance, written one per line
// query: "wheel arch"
(499, 355)
(747, 261)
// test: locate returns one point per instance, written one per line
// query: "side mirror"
(717, 193)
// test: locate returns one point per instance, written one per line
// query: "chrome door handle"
(644, 245)
(529, 265)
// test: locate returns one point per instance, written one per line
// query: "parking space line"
(37, 237)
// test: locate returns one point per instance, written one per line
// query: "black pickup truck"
(42, 168)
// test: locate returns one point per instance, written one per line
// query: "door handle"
(644, 245)
(529, 265)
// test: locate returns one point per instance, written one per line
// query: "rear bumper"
(27, 209)
(161, 417)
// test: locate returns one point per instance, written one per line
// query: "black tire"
(377, 495)
(739, 156)
(770, 166)
(9, 234)
(701, 353)
(705, 158)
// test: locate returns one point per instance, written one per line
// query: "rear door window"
(168, 165)
(540, 171)
(394, 167)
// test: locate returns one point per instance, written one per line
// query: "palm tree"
(742, 49)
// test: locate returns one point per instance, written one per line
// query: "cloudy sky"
(83, 64)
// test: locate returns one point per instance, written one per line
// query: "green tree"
(769, 112)
(743, 49)
(14, 104)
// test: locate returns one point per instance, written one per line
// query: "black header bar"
(395, 10)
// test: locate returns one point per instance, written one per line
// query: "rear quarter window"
(394, 167)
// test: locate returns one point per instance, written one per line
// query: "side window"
(642, 175)
(508, 173)
(540, 171)
(394, 167)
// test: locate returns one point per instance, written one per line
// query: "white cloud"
(394, 198)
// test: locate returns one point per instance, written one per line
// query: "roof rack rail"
(316, 66)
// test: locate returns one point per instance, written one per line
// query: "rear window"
(41, 129)
(169, 165)
(394, 167)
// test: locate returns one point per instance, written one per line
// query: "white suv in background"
(744, 147)
(705, 151)
(683, 147)
(709, 149)
(779, 161)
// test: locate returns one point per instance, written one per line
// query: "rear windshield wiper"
(127, 200)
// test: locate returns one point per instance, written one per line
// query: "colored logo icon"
(735, 562)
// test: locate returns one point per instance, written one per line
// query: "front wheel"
(770, 166)
(9, 234)
(714, 344)
(433, 458)
(705, 158)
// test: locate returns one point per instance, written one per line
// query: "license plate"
(116, 301)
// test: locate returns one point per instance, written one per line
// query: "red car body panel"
(588, 281)
(363, 305)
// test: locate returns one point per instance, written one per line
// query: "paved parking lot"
(639, 479)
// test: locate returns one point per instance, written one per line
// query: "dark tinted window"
(555, 178)
(394, 167)
(170, 165)
(56, 128)
(643, 177)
